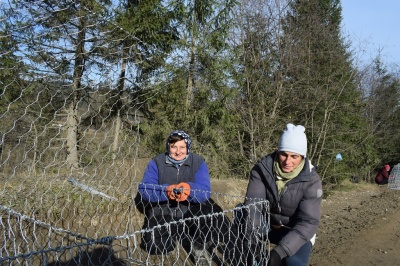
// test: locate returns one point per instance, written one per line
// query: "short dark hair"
(174, 138)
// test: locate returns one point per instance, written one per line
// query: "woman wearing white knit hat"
(293, 189)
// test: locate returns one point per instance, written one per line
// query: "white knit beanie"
(293, 139)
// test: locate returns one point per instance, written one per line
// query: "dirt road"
(359, 227)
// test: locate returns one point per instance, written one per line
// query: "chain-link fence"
(71, 153)
(214, 238)
(394, 178)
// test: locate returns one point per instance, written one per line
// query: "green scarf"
(281, 178)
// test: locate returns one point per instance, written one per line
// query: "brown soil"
(359, 227)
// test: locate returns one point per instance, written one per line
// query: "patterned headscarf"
(184, 135)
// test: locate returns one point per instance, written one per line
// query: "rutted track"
(360, 227)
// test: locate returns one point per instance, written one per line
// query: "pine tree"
(321, 90)
(381, 88)
(53, 36)
(141, 36)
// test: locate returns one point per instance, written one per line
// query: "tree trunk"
(190, 83)
(73, 117)
(72, 136)
(118, 122)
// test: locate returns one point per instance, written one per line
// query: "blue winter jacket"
(160, 173)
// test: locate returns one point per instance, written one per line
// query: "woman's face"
(178, 150)
(289, 161)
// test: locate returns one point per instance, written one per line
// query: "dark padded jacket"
(297, 207)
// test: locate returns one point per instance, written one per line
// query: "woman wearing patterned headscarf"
(174, 184)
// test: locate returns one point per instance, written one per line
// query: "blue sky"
(373, 25)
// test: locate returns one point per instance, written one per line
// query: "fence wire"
(394, 178)
(72, 149)
(216, 238)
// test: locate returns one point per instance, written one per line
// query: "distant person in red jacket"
(382, 177)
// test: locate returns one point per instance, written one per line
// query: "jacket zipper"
(177, 174)
(177, 182)
(279, 198)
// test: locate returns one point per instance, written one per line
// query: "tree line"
(231, 73)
